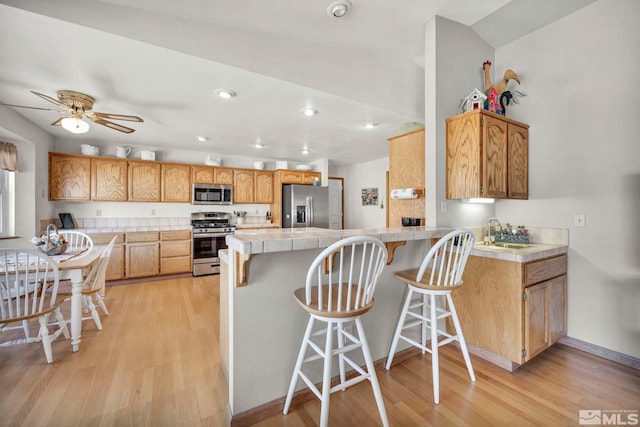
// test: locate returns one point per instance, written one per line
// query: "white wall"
(371, 174)
(580, 75)
(453, 69)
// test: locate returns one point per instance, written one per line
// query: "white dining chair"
(339, 290)
(29, 290)
(77, 240)
(92, 286)
(439, 274)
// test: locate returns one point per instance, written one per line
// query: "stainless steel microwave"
(212, 194)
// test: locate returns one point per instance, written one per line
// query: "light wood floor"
(156, 363)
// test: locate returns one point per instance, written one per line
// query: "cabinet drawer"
(538, 271)
(175, 265)
(143, 236)
(175, 235)
(105, 238)
(175, 248)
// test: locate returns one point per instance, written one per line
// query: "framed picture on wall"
(369, 196)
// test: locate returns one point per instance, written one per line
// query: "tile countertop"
(287, 239)
(532, 252)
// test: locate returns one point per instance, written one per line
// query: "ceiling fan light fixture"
(369, 125)
(338, 9)
(309, 112)
(75, 124)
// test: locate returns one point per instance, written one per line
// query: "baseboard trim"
(489, 356)
(605, 353)
(274, 407)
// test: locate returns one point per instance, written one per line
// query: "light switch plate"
(579, 220)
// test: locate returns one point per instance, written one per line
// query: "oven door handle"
(209, 235)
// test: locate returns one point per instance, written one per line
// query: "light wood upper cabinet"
(263, 191)
(223, 175)
(202, 174)
(487, 156)
(144, 181)
(109, 180)
(176, 183)
(243, 186)
(69, 177)
(309, 177)
(291, 177)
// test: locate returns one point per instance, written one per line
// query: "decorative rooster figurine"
(502, 85)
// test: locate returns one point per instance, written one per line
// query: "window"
(7, 202)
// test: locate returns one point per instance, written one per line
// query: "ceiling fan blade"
(51, 100)
(57, 122)
(32, 108)
(113, 125)
(118, 117)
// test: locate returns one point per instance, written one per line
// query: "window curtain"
(8, 156)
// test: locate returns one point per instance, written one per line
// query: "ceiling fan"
(75, 106)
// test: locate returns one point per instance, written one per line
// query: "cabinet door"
(291, 177)
(463, 157)
(176, 183)
(309, 177)
(536, 333)
(518, 182)
(69, 177)
(202, 174)
(144, 182)
(109, 180)
(223, 176)
(115, 268)
(263, 187)
(557, 311)
(142, 259)
(243, 186)
(494, 155)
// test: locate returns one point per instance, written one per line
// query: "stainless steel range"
(209, 232)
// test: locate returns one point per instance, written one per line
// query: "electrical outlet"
(153, 212)
(443, 205)
(98, 212)
(579, 220)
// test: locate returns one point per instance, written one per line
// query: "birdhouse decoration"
(491, 103)
(474, 101)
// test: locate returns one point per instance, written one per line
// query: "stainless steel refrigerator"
(305, 206)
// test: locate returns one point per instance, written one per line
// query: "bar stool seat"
(438, 276)
(336, 294)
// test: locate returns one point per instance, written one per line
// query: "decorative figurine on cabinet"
(474, 101)
(491, 103)
(501, 86)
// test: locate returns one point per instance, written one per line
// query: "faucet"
(490, 228)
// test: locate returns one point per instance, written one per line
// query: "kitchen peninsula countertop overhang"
(251, 242)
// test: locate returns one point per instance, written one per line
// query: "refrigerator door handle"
(307, 206)
(311, 218)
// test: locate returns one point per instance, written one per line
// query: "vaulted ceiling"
(162, 60)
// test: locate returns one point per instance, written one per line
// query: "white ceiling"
(163, 59)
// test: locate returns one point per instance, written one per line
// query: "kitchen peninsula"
(261, 325)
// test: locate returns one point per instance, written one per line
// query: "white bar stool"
(337, 294)
(439, 274)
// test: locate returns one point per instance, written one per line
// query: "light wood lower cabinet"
(143, 254)
(175, 252)
(513, 310)
(116, 266)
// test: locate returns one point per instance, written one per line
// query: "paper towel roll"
(404, 193)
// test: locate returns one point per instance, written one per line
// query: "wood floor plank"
(156, 363)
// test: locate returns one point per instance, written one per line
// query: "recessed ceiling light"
(259, 145)
(202, 138)
(309, 112)
(225, 93)
(338, 9)
(305, 151)
(369, 125)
